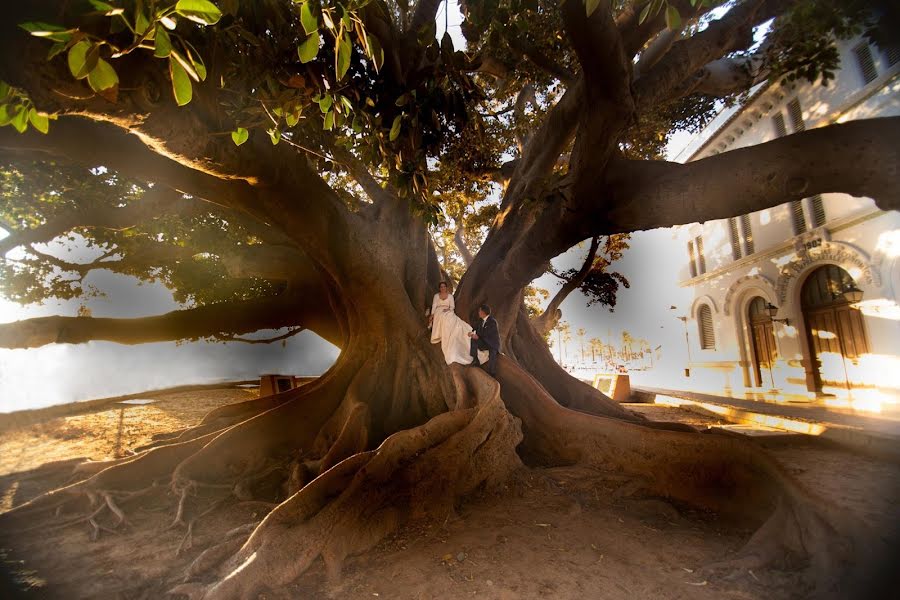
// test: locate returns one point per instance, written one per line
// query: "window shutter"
(796, 115)
(705, 321)
(701, 260)
(797, 219)
(865, 62)
(780, 128)
(748, 235)
(893, 54)
(818, 210)
(691, 259)
(735, 238)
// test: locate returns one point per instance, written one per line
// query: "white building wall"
(856, 236)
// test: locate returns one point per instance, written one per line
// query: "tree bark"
(248, 316)
(653, 194)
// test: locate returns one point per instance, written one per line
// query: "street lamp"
(773, 310)
(852, 294)
(687, 342)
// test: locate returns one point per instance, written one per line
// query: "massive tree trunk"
(390, 432)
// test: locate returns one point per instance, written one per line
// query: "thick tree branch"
(635, 35)
(93, 143)
(155, 202)
(548, 319)
(460, 242)
(206, 321)
(732, 32)
(650, 194)
(541, 60)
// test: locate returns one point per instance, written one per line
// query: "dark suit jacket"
(488, 333)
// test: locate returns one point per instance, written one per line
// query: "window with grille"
(866, 64)
(701, 260)
(748, 235)
(798, 221)
(818, 210)
(735, 238)
(692, 259)
(892, 54)
(778, 123)
(705, 323)
(796, 115)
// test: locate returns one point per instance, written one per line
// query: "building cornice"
(785, 247)
(852, 101)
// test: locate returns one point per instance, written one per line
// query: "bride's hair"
(445, 284)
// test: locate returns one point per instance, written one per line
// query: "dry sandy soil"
(554, 533)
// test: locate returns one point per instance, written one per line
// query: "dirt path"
(554, 533)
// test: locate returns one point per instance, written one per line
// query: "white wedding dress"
(451, 332)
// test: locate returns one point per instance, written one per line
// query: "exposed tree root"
(414, 473)
(730, 475)
(310, 451)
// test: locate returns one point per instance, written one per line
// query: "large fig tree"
(281, 164)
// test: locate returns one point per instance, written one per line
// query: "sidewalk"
(869, 431)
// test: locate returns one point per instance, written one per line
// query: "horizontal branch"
(650, 194)
(229, 318)
(156, 202)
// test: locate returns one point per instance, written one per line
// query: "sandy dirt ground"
(553, 533)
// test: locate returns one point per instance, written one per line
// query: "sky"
(61, 373)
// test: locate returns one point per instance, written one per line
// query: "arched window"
(705, 323)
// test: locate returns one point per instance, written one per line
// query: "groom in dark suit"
(486, 337)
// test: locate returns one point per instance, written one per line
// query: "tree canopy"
(323, 165)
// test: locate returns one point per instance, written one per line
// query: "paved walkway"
(829, 418)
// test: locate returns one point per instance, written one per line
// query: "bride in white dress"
(448, 330)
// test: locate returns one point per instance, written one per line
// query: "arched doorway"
(834, 328)
(762, 340)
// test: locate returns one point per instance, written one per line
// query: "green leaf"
(5, 115)
(590, 6)
(275, 136)
(308, 19)
(20, 119)
(41, 121)
(395, 128)
(329, 121)
(103, 77)
(292, 118)
(673, 18)
(57, 33)
(645, 13)
(102, 6)
(56, 49)
(163, 43)
(181, 82)
(377, 52)
(5, 89)
(310, 48)
(141, 22)
(344, 54)
(185, 64)
(239, 136)
(196, 62)
(78, 56)
(325, 103)
(199, 11)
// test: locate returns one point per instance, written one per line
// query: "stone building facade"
(801, 298)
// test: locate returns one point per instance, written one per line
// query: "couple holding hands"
(460, 342)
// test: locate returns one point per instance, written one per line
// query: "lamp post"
(687, 342)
